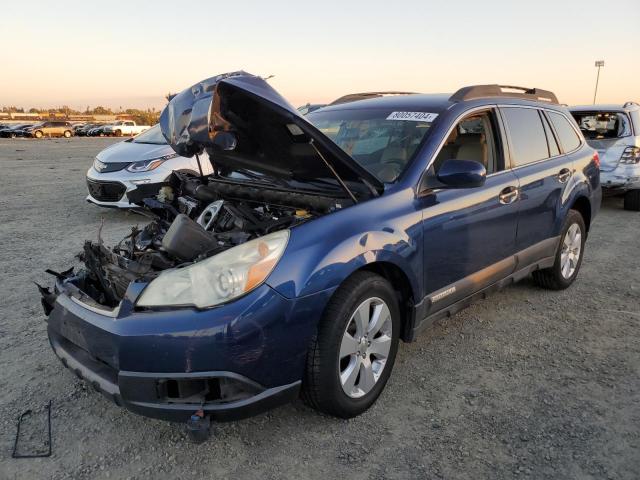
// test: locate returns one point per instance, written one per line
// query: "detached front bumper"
(232, 362)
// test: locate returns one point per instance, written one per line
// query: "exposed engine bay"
(192, 219)
(273, 170)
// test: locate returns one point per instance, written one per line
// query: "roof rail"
(629, 104)
(353, 97)
(482, 91)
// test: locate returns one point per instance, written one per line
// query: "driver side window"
(473, 138)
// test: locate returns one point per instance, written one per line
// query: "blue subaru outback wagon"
(318, 243)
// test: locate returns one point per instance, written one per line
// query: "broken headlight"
(151, 164)
(217, 279)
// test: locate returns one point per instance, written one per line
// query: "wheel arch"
(582, 205)
(401, 284)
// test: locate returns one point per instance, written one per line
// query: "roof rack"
(482, 91)
(353, 97)
(629, 104)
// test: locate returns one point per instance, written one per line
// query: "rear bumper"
(621, 179)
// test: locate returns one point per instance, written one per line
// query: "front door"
(469, 234)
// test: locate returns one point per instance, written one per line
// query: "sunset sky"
(132, 53)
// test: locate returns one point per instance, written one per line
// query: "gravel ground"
(528, 383)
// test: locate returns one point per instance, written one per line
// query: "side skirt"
(421, 310)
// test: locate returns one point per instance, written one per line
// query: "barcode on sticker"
(413, 116)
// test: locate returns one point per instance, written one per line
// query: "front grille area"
(106, 191)
(110, 167)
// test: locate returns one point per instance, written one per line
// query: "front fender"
(322, 253)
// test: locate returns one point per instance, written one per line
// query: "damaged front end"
(192, 221)
(137, 320)
(272, 171)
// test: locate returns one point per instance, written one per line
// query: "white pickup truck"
(124, 127)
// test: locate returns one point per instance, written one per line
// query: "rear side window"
(569, 139)
(551, 139)
(528, 141)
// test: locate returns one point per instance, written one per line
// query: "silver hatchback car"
(125, 166)
(614, 131)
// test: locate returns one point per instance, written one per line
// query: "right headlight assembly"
(217, 279)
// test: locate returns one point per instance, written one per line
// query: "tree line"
(143, 117)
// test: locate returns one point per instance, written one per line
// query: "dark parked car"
(82, 131)
(12, 131)
(50, 128)
(319, 243)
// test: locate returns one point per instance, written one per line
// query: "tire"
(563, 274)
(322, 387)
(118, 133)
(67, 134)
(632, 200)
(37, 134)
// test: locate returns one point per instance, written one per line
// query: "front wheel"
(568, 256)
(38, 134)
(632, 200)
(352, 354)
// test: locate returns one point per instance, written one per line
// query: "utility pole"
(599, 64)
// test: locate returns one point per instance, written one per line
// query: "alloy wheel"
(571, 250)
(365, 347)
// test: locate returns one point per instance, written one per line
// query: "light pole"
(599, 63)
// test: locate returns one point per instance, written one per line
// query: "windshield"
(602, 125)
(381, 141)
(152, 136)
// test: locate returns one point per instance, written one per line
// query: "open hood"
(243, 123)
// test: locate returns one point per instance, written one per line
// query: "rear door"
(543, 173)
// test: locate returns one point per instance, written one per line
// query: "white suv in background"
(614, 131)
(124, 127)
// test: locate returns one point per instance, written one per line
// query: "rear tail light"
(631, 155)
(596, 159)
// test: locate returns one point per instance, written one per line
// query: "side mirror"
(462, 174)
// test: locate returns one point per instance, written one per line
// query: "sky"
(131, 53)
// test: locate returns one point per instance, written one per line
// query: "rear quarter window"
(568, 137)
(528, 142)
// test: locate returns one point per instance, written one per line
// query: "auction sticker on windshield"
(413, 116)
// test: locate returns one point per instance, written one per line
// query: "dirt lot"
(528, 383)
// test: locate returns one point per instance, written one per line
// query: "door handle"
(508, 195)
(564, 175)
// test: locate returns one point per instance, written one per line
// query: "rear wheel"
(118, 133)
(632, 200)
(67, 134)
(37, 134)
(351, 356)
(568, 256)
